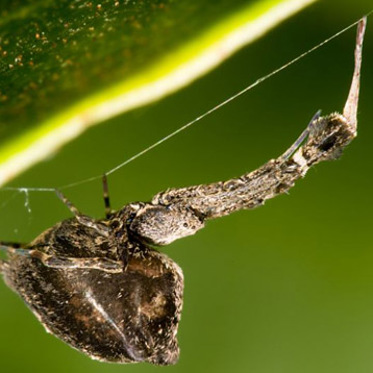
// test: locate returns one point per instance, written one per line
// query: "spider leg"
(82, 219)
(69, 204)
(54, 261)
(108, 210)
(323, 141)
(351, 106)
(302, 137)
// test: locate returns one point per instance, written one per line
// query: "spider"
(102, 287)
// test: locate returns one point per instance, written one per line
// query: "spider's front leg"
(177, 213)
(54, 261)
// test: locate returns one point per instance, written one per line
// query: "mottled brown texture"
(117, 317)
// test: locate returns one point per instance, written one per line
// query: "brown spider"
(101, 287)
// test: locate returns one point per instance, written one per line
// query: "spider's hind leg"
(69, 205)
(83, 219)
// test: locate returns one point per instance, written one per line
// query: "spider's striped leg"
(83, 219)
(108, 210)
(69, 205)
(54, 261)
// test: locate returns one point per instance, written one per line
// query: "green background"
(284, 288)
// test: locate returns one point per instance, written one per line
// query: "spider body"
(112, 314)
(100, 286)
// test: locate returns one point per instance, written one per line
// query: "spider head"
(161, 225)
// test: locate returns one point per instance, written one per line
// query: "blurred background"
(287, 287)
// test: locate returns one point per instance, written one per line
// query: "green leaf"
(65, 65)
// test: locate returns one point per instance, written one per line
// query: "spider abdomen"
(124, 317)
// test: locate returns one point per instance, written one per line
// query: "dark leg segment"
(53, 261)
(102, 264)
(69, 204)
(83, 219)
(108, 211)
(300, 140)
